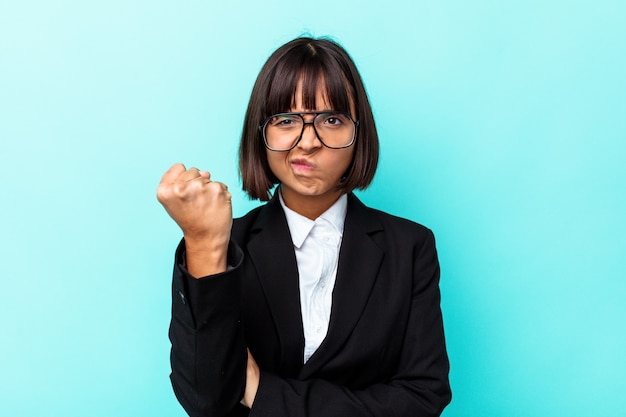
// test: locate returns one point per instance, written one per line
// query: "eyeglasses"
(282, 132)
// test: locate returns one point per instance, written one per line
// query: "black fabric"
(384, 353)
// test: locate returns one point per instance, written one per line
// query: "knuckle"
(163, 193)
(176, 188)
(180, 189)
(214, 187)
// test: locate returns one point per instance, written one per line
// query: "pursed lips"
(301, 164)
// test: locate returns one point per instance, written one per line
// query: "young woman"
(312, 304)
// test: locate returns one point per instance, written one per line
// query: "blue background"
(503, 129)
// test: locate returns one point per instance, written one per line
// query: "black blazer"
(384, 353)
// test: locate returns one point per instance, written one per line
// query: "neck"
(310, 207)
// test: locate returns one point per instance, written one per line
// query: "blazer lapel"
(359, 261)
(271, 251)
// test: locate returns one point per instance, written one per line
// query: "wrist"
(253, 376)
(206, 256)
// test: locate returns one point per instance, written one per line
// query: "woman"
(312, 304)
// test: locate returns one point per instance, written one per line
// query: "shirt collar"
(300, 226)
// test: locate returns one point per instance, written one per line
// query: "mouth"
(301, 164)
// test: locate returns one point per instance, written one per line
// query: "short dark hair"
(306, 60)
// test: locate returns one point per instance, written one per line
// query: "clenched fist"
(203, 210)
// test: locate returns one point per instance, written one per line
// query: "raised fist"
(201, 207)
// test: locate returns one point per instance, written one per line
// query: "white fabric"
(316, 244)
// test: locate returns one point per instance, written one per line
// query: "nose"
(309, 139)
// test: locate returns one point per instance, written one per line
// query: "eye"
(334, 119)
(283, 120)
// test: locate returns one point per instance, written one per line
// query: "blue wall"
(503, 129)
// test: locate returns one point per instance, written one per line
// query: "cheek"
(344, 160)
(276, 161)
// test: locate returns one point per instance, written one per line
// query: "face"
(310, 172)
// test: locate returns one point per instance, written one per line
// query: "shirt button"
(318, 329)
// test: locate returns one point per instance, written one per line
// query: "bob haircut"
(310, 61)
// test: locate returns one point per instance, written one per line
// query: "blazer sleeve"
(208, 355)
(419, 386)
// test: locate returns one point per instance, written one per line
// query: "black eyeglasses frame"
(304, 123)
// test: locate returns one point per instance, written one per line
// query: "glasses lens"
(282, 131)
(336, 130)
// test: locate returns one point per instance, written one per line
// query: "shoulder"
(388, 224)
(266, 215)
(242, 225)
(409, 247)
(249, 217)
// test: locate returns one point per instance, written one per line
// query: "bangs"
(315, 70)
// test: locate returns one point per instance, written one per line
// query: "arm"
(208, 354)
(208, 351)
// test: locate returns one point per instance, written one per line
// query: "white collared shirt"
(316, 244)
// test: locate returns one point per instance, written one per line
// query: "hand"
(203, 210)
(252, 382)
